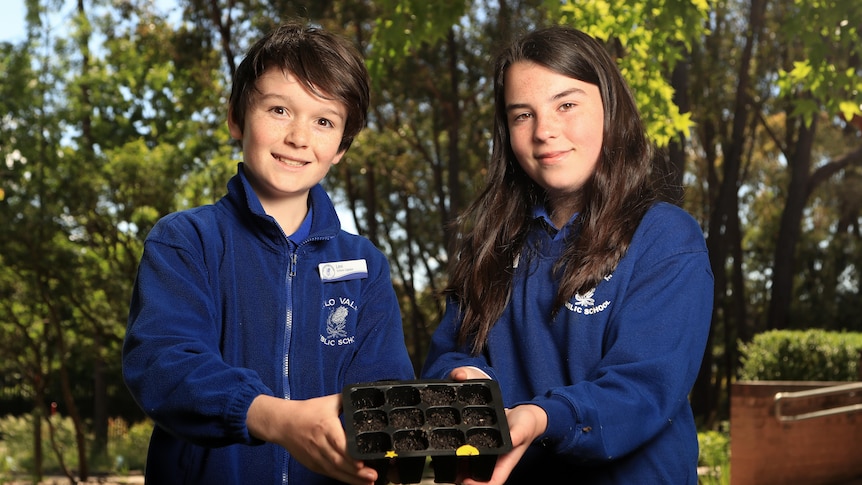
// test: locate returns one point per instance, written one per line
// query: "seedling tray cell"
(461, 425)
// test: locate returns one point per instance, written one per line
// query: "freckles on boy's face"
(290, 137)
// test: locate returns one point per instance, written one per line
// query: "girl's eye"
(567, 106)
(521, 117)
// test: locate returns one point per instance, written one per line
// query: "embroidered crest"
(585, 300)
(337, 322)
(586, 304)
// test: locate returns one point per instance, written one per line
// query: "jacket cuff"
(237, 414)
(562, 421)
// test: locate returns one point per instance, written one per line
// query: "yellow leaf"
(847, 108)
(801, 70)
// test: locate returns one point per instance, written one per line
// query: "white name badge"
(352, 269)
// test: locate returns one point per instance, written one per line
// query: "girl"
(580, 291)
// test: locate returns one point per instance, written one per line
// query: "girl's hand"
(526, 423)
(460, 374)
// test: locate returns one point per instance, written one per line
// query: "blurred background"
(112, 115)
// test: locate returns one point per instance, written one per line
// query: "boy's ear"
(338, 157)
(233, 127)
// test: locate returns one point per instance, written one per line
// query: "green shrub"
(801, 355)
(129, 450)
(127, 447)
(17, 432)
(714, 457)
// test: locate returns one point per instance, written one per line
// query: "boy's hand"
(311, 432)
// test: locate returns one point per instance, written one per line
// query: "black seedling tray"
(461, 425)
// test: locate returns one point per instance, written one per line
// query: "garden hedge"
(801, 355)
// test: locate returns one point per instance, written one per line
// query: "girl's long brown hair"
(492, 230)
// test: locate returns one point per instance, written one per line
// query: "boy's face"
(290, 138)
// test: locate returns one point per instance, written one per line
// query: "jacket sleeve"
(653, 347)
(171, 359)
(445, 354)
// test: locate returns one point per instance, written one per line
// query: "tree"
(824, 78)
(753, 147)
(121, 126)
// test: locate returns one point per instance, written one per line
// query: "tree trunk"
(38, 416)
(676, 150)
(100, 404)
(783, 268)
(724, 215)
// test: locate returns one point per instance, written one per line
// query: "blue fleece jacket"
(226, 308)
(614, 368)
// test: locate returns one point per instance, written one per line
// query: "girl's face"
(290, 138)
(555, 127)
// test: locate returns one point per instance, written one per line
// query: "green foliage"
(801, 355)
(16, 444)
(17, 438)
(714, 457)
(827, 77)
(127, 446)
(102, 123)
(405, 25)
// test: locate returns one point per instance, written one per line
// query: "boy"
(249, 316)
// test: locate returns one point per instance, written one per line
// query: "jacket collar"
(324, 224)
(540, 213)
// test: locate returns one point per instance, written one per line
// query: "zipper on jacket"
(288, 317)
(288, 336)
(292, 267)
(288, 330)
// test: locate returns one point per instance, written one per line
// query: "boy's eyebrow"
(560, 95)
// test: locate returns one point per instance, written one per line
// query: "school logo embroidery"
(336, 322)
(585, 300)
(585, 304)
